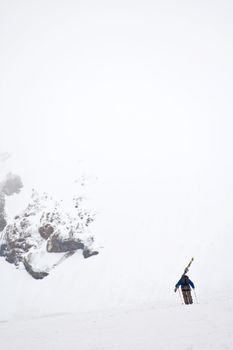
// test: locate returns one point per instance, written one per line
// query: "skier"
(185, 284)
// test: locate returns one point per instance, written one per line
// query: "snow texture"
(164, 325)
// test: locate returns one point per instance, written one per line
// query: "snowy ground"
(204, 326)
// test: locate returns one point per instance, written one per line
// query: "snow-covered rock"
(44, 227)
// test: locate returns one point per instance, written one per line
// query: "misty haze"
(116, 168)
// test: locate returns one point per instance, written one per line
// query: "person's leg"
(190, 299)
(185, 296)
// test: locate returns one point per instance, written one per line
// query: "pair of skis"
(187, 267)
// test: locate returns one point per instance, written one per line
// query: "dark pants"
(187, 295)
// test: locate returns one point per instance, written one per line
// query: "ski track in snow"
(204, 326)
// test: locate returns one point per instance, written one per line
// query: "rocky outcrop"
(15, 243)
(58, 245)
(45, 227)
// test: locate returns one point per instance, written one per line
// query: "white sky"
(141, 91)
(116, 79)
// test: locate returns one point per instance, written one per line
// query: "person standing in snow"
(185, 283)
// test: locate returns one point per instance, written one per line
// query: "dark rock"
(56, 245)
(3, 223)
(46, 231)
(3, 250)
(24, 224)
(13, 256)
(38, 275)
(13, 250)
(21, 244)
(87, 253)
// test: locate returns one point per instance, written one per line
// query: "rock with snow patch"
(38, 275)
(59, 245)
(46, 227)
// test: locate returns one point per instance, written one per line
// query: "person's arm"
(191, 284)
(177, 285)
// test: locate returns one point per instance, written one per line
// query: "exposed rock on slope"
(46, 226)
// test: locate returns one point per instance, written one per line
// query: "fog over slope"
(137, 97)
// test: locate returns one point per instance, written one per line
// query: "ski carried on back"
(188, 266)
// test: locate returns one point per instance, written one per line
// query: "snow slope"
(123, 298)
(203, 326)
(147, 233)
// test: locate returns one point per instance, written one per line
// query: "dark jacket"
(184, 283)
